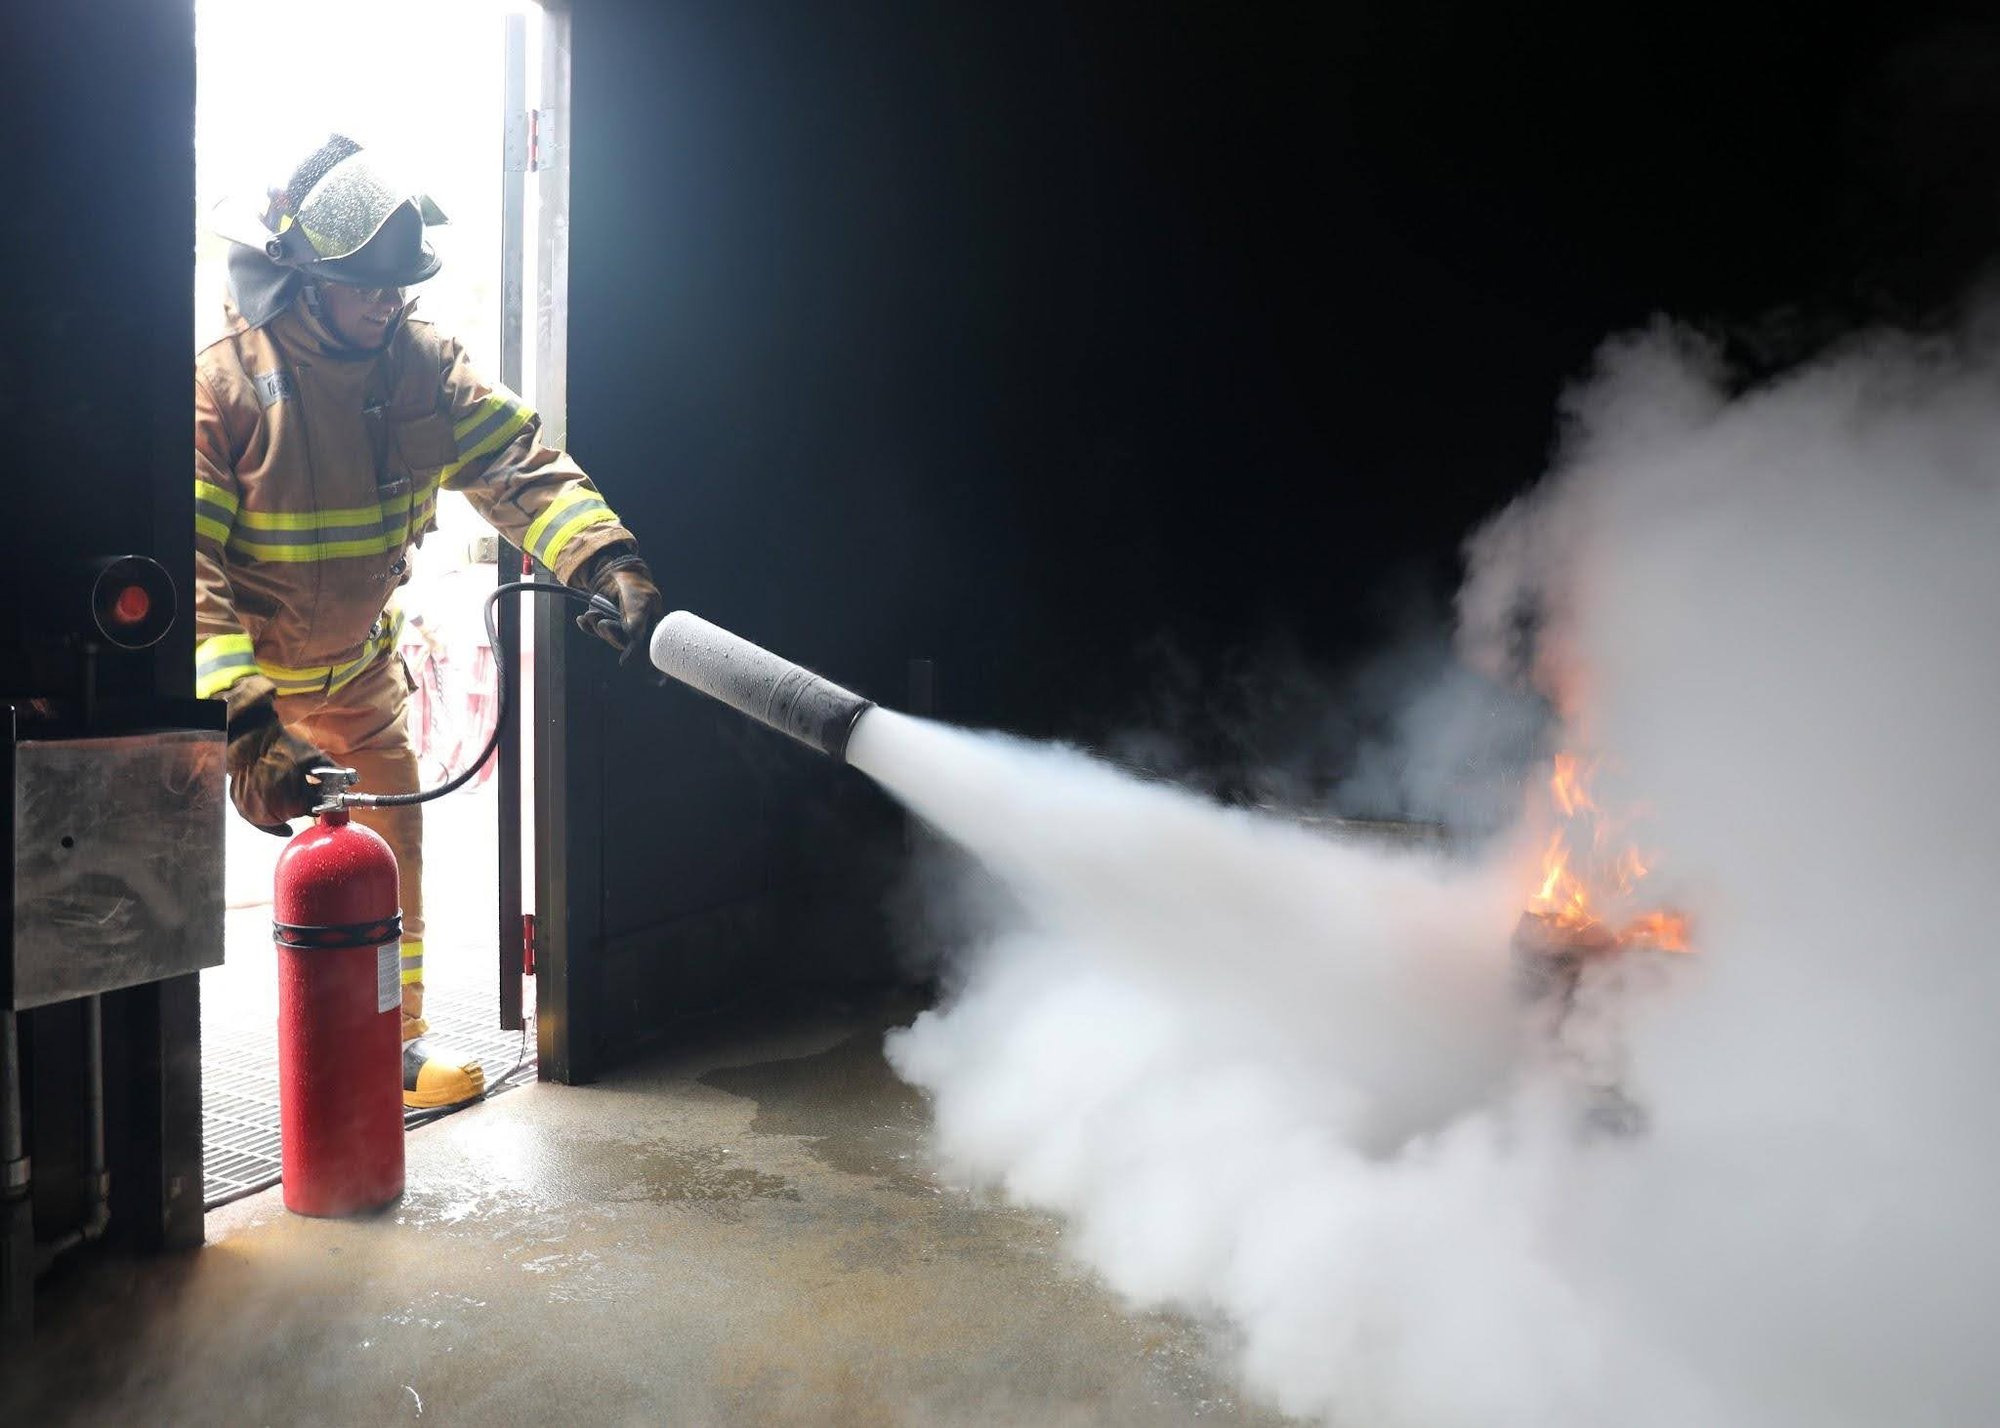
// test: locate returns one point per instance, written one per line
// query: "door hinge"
(527, 944)
(529, 145)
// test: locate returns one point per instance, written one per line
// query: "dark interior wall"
(95, 362)
(1038, 338)
(96, 238)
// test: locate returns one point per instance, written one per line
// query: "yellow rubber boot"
(433, 1076)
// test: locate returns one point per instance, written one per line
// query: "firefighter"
(326, 422)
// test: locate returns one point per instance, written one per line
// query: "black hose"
(516, 587)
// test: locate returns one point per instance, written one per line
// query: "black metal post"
(17, 1210)
(511, 958)
(513, 271)
(96, 1177)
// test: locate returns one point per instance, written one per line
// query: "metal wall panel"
(117, 862)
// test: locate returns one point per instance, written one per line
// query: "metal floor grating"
(239, 1083)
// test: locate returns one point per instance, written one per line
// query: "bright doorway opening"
(463, 98)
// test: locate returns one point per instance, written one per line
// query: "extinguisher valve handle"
(333, 785)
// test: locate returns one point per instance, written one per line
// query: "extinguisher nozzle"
(753, 681)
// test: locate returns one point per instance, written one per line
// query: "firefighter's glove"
(267, 763)
(623, 580)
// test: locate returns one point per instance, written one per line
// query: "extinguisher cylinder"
(340, 1076)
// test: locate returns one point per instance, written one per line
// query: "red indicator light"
(132, 605)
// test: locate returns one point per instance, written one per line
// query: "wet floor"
(749, 1234)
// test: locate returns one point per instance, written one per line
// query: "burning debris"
(1604, 876)
(1587, 906)
(1587, 911)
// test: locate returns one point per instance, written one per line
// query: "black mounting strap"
(343, 934)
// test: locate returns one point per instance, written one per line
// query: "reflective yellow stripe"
(288, 554)
(323, 520)
(551, 513)
(328, 677)
(215, 495)
(571, 510)
(214, 510)
(496, 439)
(413, 962)
(479, 416)
(552, 554)
(347, 532)
(219, 661)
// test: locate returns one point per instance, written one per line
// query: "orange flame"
(1568, 786)
(1571, 888)
(1664, 930)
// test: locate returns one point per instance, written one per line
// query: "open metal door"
(565, 914)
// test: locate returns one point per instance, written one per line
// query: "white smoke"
(1282, 1082)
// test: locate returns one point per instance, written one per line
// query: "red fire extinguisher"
(338, 928)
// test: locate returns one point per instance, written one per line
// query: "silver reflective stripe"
(207, 669)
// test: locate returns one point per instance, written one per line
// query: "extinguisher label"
(388, 976)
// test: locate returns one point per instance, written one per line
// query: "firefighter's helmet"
(339, 217)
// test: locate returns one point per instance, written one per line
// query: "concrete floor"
(746, 1234)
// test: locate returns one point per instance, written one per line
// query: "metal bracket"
(529, 142)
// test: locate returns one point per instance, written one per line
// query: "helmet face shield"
(340, 218)
(395, 255)
(346, 208)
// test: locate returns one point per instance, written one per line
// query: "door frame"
(535, 168)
